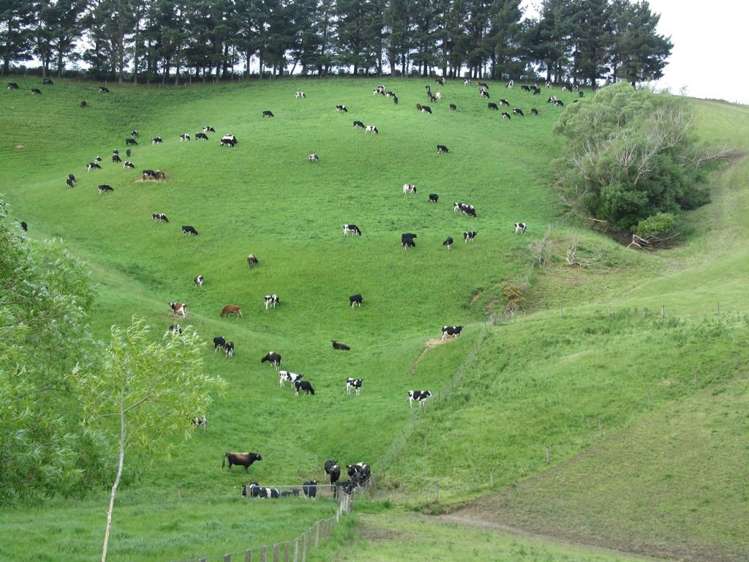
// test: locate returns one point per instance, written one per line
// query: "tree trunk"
(116, 484)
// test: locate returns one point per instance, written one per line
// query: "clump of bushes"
(660, 226)
(630, 155)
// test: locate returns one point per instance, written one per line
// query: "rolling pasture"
(514, 402)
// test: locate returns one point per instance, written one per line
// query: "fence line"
(296, 549)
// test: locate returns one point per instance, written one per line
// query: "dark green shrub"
(661, 225)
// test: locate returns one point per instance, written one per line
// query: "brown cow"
(241, 459)
(231, 310)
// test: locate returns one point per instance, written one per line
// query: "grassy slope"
(510, 392)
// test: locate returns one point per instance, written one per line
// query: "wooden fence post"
(248, 556)
(304, 547)
(286, 552)
(296, 549)
(263, 554)
(203, 560)
(227, 557)
(276, 554)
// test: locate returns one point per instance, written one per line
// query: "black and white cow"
(199, 280)
(300, 94)
(184, 137)
(464, 208)
(372, 129)
(157, 140)
(128, 164)
(448, 243)
(520, 227)
(356, 300)
(200, 422)
(351, 230)
(442, 149)
(159, 217)
(201, 136)
(506, 115)
(359, 473)
(268, 113)
(208, 129)
(353, 385)
(218, 343)
(303, 386)
(189, 230)
(93, 166)
(359, 125)
(424, 108)
(409, 188)
(534, 111)
(484, 93)
(71, 180)
(36, 92)
(333, 470)
(340, 108)
(12, 86)
(408, 240)
(104, 188)
(504, 102)
(288, 376)
(420, 396)
(252, 261)
(271, 301)
(228, 140)
(434, 198)
(273, 358)
(340, 346)
(313, 157)
(470, 236)
(103, 90)
(134, 133)
(309, 489)
(131, 142)
(116, 158)
(254, 490)
(451, 332)
(510, 84)
(493, 106)
(175, 329)
(229, 349)
(518, 111)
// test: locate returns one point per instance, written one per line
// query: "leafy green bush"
(656, 226)
(630, 154)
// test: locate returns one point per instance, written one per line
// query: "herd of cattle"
(359, 473)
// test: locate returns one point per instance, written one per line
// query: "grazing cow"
(98, 159)
(184, 137)
(159, 217)
(434, 198)
(229, 349)
(200, 422)
(218, 343)
(432, 98)
(134, 133)
(359, 125)
(451, 331)
(178, 309)
(390, 94)
(372, 129)
(340, 108)
(288, 376)
(470, 236)
(407, 240)
(208, 129)
(520, 227)
(93, 166)
(484, 94)
(356, 300)
(201, 136)
(351, 230)
(518, 111)
(534, 111)
(273, 358)
(441, 80)
(271, 301)
(24, 226)
(340, 346)
(131, 141)
(525, 88)
(409, 188)
(420, 396)
(424, 108)
(483, 85)
(104, 188)
(153, 175)
(559, 103)
(199, 280)
(189, 230)
(448, 243)
(128, 164)
(467, 82)
(175, 329)
(157, 140)
(228, 140)
(47, 82)
(309, 489)
(71, 180)
(453, 107)
(506, 115)
(83, 103)
(304, 386)
(493, 106)
(103, 90)
(359, 473)
(268, 113)
(332, 470)
(504, 101)
(442, 149)
(241, 459)
(116, 158)
(464, 208)
(299, 94)
(313, 157)
(231, 310)
(353, 385)
(12, 86)
(36, 91)
(252, 261)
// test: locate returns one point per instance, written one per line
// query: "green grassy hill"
(517, 402)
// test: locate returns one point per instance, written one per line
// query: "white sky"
(711, 41)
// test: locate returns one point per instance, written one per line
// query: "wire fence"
(298, 548)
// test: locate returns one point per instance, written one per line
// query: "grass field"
(516, 402)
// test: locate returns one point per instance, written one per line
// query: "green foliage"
(630, 154)
(656, 226)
